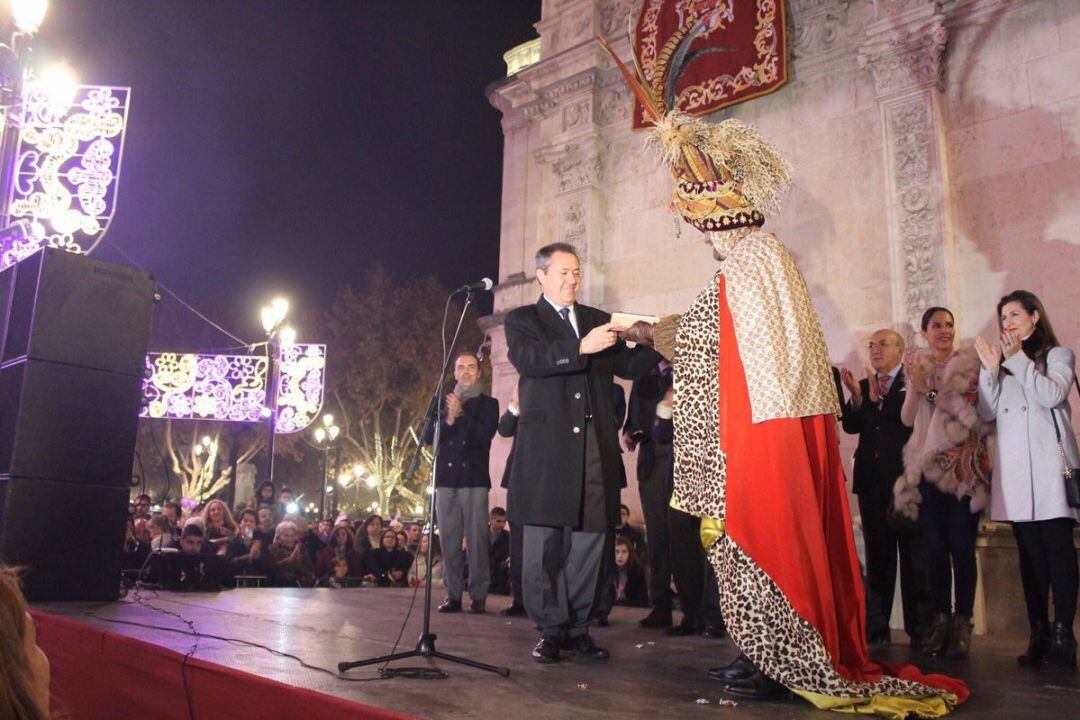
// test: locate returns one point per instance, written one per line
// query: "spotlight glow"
(371, 481)
(292, 508)
(287, 336)
(60, 86)
(29, 14)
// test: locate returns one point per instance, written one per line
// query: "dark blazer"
(879, 458)
(464, 447)
(645, 395)
(547, 475)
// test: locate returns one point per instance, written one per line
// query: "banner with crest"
(703, 55)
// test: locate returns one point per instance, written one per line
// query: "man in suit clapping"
(873, 413)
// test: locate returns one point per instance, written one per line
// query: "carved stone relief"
(576, 172)
(821, 27)
(573, 222)
(577, 114)
(614, 104)
(905, 51)
(614, 15)
(916, 188)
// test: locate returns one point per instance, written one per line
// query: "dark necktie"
(564, 313)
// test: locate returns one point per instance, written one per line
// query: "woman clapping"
(1024, 385)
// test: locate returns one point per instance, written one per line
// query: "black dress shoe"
(758, 687)
(739, 669)
(450, 605)
(584, 646)
(716, 631)
(515, 610)
(682, 629)
(880, 639)
(477, 607)
(546, 650)
(656, 619)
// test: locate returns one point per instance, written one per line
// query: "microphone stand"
(425, 647)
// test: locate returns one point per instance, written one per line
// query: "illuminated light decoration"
(67, 166)
(232, 388)
(301, 385)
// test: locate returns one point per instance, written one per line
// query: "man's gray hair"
(543, 255)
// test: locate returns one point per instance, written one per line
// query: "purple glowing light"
(232, 388)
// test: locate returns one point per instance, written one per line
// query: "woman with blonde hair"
(219, 524)
(24, 669)
(1024, 386)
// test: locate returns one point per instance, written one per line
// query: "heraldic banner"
(728, 50)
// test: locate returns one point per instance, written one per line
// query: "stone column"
(903, 51)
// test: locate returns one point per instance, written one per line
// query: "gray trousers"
(464, 512)
(559, 570)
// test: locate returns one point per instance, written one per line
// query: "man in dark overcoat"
(564, 482)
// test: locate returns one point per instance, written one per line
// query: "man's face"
(266, 519)
(885, 350)
(191, 545)
(561, 279)
(466, 370)
(413, 533)
(625, 515)
(497, 523)
(247, 522)
(172, 514)
(324, 527)
(142, 507)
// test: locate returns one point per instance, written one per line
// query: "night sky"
(286, 146)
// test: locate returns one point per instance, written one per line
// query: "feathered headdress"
(726, 175)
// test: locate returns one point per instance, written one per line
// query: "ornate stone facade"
(936, 146)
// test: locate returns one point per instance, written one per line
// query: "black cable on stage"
(199, 635)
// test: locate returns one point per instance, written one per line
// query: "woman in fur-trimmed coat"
(946, 480)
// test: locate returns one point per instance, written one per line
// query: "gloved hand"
(640, 333)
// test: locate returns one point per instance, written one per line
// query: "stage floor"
(649, 674)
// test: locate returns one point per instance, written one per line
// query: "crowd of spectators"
(263, 544)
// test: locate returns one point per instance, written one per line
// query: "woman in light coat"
(1024, 385)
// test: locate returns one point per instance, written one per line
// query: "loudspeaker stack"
(73, 338)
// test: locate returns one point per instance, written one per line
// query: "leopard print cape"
(762, 622)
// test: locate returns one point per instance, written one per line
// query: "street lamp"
(326, 436)
(278, 335)
(28, 14)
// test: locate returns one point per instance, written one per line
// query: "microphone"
(485, 284)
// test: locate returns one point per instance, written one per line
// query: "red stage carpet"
(99, 674)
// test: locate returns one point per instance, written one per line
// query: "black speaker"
(73, 336)
(66, 422)
(69, 536)
(72, 309)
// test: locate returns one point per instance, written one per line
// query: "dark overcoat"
(547, 475)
